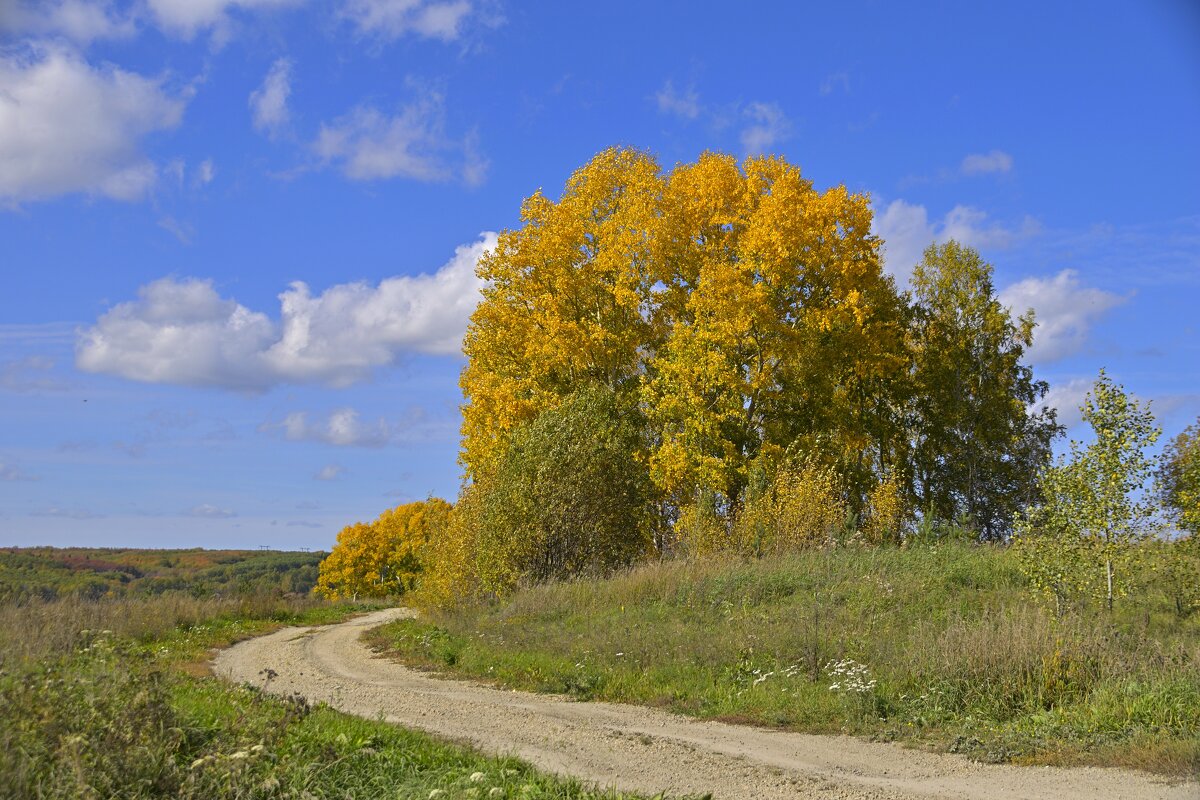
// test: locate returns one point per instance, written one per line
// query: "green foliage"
(1179, 479)
(1080, 540)
(112, 718)
(570, 495)
(976, 451)
(958, 653)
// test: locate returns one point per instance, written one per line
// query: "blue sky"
(237, 236)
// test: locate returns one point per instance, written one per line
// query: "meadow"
(112, 698)
(939, 644)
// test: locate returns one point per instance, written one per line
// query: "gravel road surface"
(644, 749)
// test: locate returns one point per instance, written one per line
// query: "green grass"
(960, 654)
(118, 711)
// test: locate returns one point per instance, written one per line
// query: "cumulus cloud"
(392, 19)
(1065, 312)
(906, 231)
(68, 127)
(329, 472)
(184, 332)
(81, 21)
(268, 103)
(209, 511)
(768, 126)
(367, 144)
(670, 101)
(986, 163)
(186, 18)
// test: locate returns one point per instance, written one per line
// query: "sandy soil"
(644, 749)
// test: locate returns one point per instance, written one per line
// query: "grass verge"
(103, 715)
(941, 646)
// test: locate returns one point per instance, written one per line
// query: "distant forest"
(50, 573)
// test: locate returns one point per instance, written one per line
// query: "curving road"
(643, 749)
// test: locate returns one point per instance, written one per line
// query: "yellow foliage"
(450, 573)
(886, 512)
(383, 558)
(802, 508)
(700, 531)
(742, 307)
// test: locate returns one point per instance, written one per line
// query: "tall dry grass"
(37, 630)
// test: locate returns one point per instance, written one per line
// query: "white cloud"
(768, 126)
(367, 144)
(1067, 398)
(391, 19)
(186, 18)
(13, 473)
(209, 511)
(341, 428)
(68, 127)
(834, 81)
(1064, 310)
(268, 103)
(986, 163)
(329, 472)
(81, 21)
(31, 374)
(686, 105)
(184, 332)
(205, 173)
(906, 231)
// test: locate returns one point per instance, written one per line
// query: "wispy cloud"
(329, 472)
(835, 81)
(269, 102)
(392, 19)
(209, 511)
(986, 163)
(368, 144)
(681, 104)
(768, 126)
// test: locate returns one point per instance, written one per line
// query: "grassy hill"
(48, 573)
(939, 645)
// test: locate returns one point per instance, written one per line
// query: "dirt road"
(644, 749)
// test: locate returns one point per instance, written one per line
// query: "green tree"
(569, 496)
(1082, 536)
(976, 447)
(1179, 479)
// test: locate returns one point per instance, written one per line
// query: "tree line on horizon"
(712, 358)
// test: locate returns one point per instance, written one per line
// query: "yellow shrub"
(886, 512)
(383, 558)
(802, 508)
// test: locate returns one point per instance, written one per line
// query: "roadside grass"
(115, 710)
(939, 645)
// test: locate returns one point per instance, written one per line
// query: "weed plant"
(105, 711)
(939, 643)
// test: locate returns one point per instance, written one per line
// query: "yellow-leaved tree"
(382, 558)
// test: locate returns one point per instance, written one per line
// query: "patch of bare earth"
(644, 749)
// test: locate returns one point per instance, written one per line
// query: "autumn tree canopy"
(382, 558)
(744, 310)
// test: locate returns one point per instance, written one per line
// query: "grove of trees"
(710, 357)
